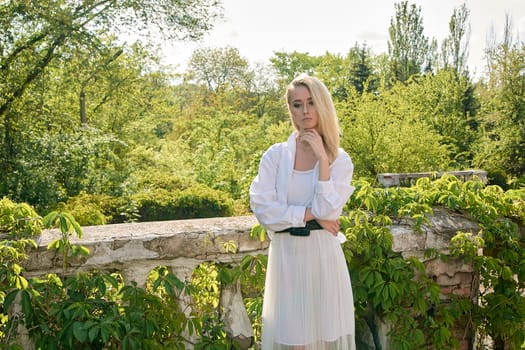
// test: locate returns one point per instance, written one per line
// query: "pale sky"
(258, 28)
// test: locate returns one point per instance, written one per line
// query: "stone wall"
(408, 179)
(136, 248)
(454, 276)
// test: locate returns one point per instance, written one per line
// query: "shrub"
(19, 219)
(200, 201)
(197, 201)
(95, 209)
(156, 204)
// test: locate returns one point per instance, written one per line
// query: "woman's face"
(302, 108)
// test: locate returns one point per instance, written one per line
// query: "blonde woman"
(297, 196)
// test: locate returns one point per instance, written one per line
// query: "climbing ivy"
(97, 309)
(396, 290)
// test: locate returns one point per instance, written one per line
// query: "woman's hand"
(315, 141)
(331, 226)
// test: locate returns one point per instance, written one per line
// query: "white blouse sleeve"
(331, 196)
(273, 213)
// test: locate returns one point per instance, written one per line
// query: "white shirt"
(269, 189)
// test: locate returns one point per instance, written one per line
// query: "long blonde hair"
(328, 124)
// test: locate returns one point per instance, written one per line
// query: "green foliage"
(196, 201)
(97, 310)
(88, 214)
(36, 35)
(162, 198)
(13, 254)
(389, 287)
(68, 226)
(19, 220)
(206, 287)
(151, 137)
(502, 146)
(290, 65)
(219, 69)
(57, 53)
(445, 101)
(142, 116)
(384, 133)
(18, 224)
(341, 74)
(219, 146)
(501, 308)
(407, 47)
(248, 274)
(57, 166)
(146, 181)
(455, 46)
(95, 209)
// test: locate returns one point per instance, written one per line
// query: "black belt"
(302, 231)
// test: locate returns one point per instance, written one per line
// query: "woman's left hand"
(331, 226)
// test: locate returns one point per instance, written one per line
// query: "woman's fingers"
(331, 226)
(315, 141)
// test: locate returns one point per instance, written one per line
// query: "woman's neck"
(304, 158)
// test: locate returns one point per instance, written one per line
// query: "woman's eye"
(297, 105)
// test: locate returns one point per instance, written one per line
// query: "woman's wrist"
(324, 170)
(308, 215)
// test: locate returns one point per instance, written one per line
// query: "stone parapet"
(408, 179)
(135, 249)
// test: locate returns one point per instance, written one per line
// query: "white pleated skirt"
(308, 302)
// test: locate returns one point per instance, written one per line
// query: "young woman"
(298, 195)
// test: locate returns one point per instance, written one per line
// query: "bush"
(95, 209)
(197, 201)
(200, 201)
(19, 219)
(497, 177)
(149, 181)
(152, 203)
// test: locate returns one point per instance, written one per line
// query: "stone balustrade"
(135, 249)
(408, 179)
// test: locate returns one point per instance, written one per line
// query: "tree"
(345, 74)
(382, 68)
(221, 78)
(335, 71)
(383, 132)
(431, 60)
(407, 47)
(341, 74)
(455, 46)
(447, 103)
(86, 81)
(59, 60)
(35, 32)
(218, 69)
(265, 96)
(290, 65)
(503, 108)
(127, 104)
(362, 71)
